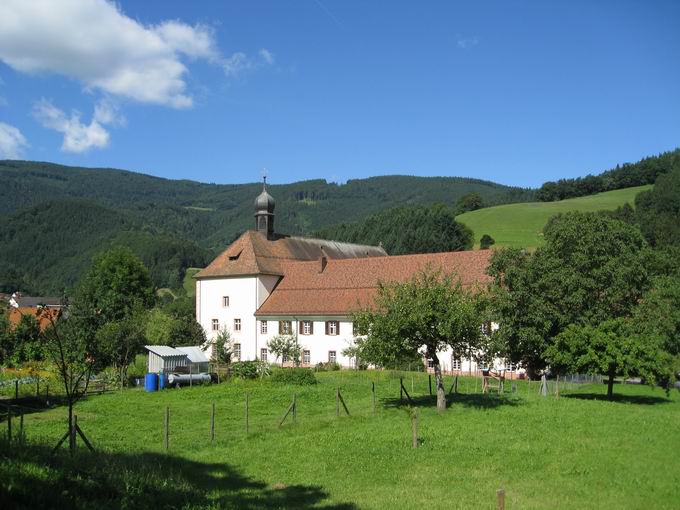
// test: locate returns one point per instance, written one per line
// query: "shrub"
(299, 376)
(330, 366)
(246, 369)
(138, 367)
(486, 242)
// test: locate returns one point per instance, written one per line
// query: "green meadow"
(521, 225)
(576, 451)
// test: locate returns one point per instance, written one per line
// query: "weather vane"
(264, 176)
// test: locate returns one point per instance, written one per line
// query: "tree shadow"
(623, 399)
(474, 400)
(32, 478)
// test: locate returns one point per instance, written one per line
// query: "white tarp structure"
(166, 359)
(198, 361)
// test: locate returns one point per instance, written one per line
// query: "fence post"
(212, 423)
(37, 388)
(167, 428)
(373, 392)
(414, 427)
(16, 389)
(500, 499)
(337, 402)
(246, 414)
(294, 407)
(47, 395)
(9, 423)
(557, 387)
(401, 390)
(21, 427)
(429, 380)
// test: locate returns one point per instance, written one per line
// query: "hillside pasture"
(578, 451)
(521, 225)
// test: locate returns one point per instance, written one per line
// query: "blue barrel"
(162, 381)
(151, 382)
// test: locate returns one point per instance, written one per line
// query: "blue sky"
(516, 92)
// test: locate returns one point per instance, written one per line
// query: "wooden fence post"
(337, 402)
(500, 499)
(373, 392)
(455, 385)
(9, 423)
(212, 423)
(557, 387)
(414, 427)
(246, 414)
(429, 380)
(37, 388)
(21, 427)
(401, 390)
(16, 390)
(167, 428)
(294, 407)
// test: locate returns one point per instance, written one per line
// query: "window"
(306, 327)
(331, 356)
(430, 363)
(225, 301)
(263, 327)
(332, 327)
(215, 325)
(306, 357)
(455, 364)
(285, 327)
(237, 352)
(263, 354)
(509, 366)
(237, 324)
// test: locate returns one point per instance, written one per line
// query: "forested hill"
(53, 218)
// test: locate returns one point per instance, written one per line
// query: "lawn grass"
(521, 225)
(578, 451)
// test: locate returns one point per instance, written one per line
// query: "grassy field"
(578, 451)
(521, 225)
(189, 283)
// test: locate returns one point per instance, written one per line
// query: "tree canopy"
(593, 268)
(427, 314)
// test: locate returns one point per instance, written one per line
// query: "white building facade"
(265, 284)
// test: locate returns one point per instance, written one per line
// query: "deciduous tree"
(425, 315)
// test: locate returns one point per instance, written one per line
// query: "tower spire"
(264, 210)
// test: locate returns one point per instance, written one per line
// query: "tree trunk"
(71, 435)
(441, 394)
(610, 384)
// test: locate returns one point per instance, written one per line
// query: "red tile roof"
(253, 253)
(15, 315)
(348, 285)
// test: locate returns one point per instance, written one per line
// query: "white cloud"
(267, 56)
(240, 63)
(78, 137)
(467, 42)
(94, 42)
(12, 142)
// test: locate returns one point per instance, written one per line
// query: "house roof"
(345, 286)
(194, 353)
(253, 253)
(35, 301)
(164, 351)
(15, 315)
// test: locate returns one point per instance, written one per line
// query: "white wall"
(245, 293)
(318, 344)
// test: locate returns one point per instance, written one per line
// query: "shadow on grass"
(31, 478)
(476, 400)
(623, 399)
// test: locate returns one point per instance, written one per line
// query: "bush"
(299, 376)
(138, 367)
(246, 369)
(330, 366)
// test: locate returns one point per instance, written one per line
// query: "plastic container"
(162, 381)
(151, 382)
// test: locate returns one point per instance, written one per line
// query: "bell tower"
(264, 211)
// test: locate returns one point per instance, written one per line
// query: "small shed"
(197, 360)
(165, 359)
